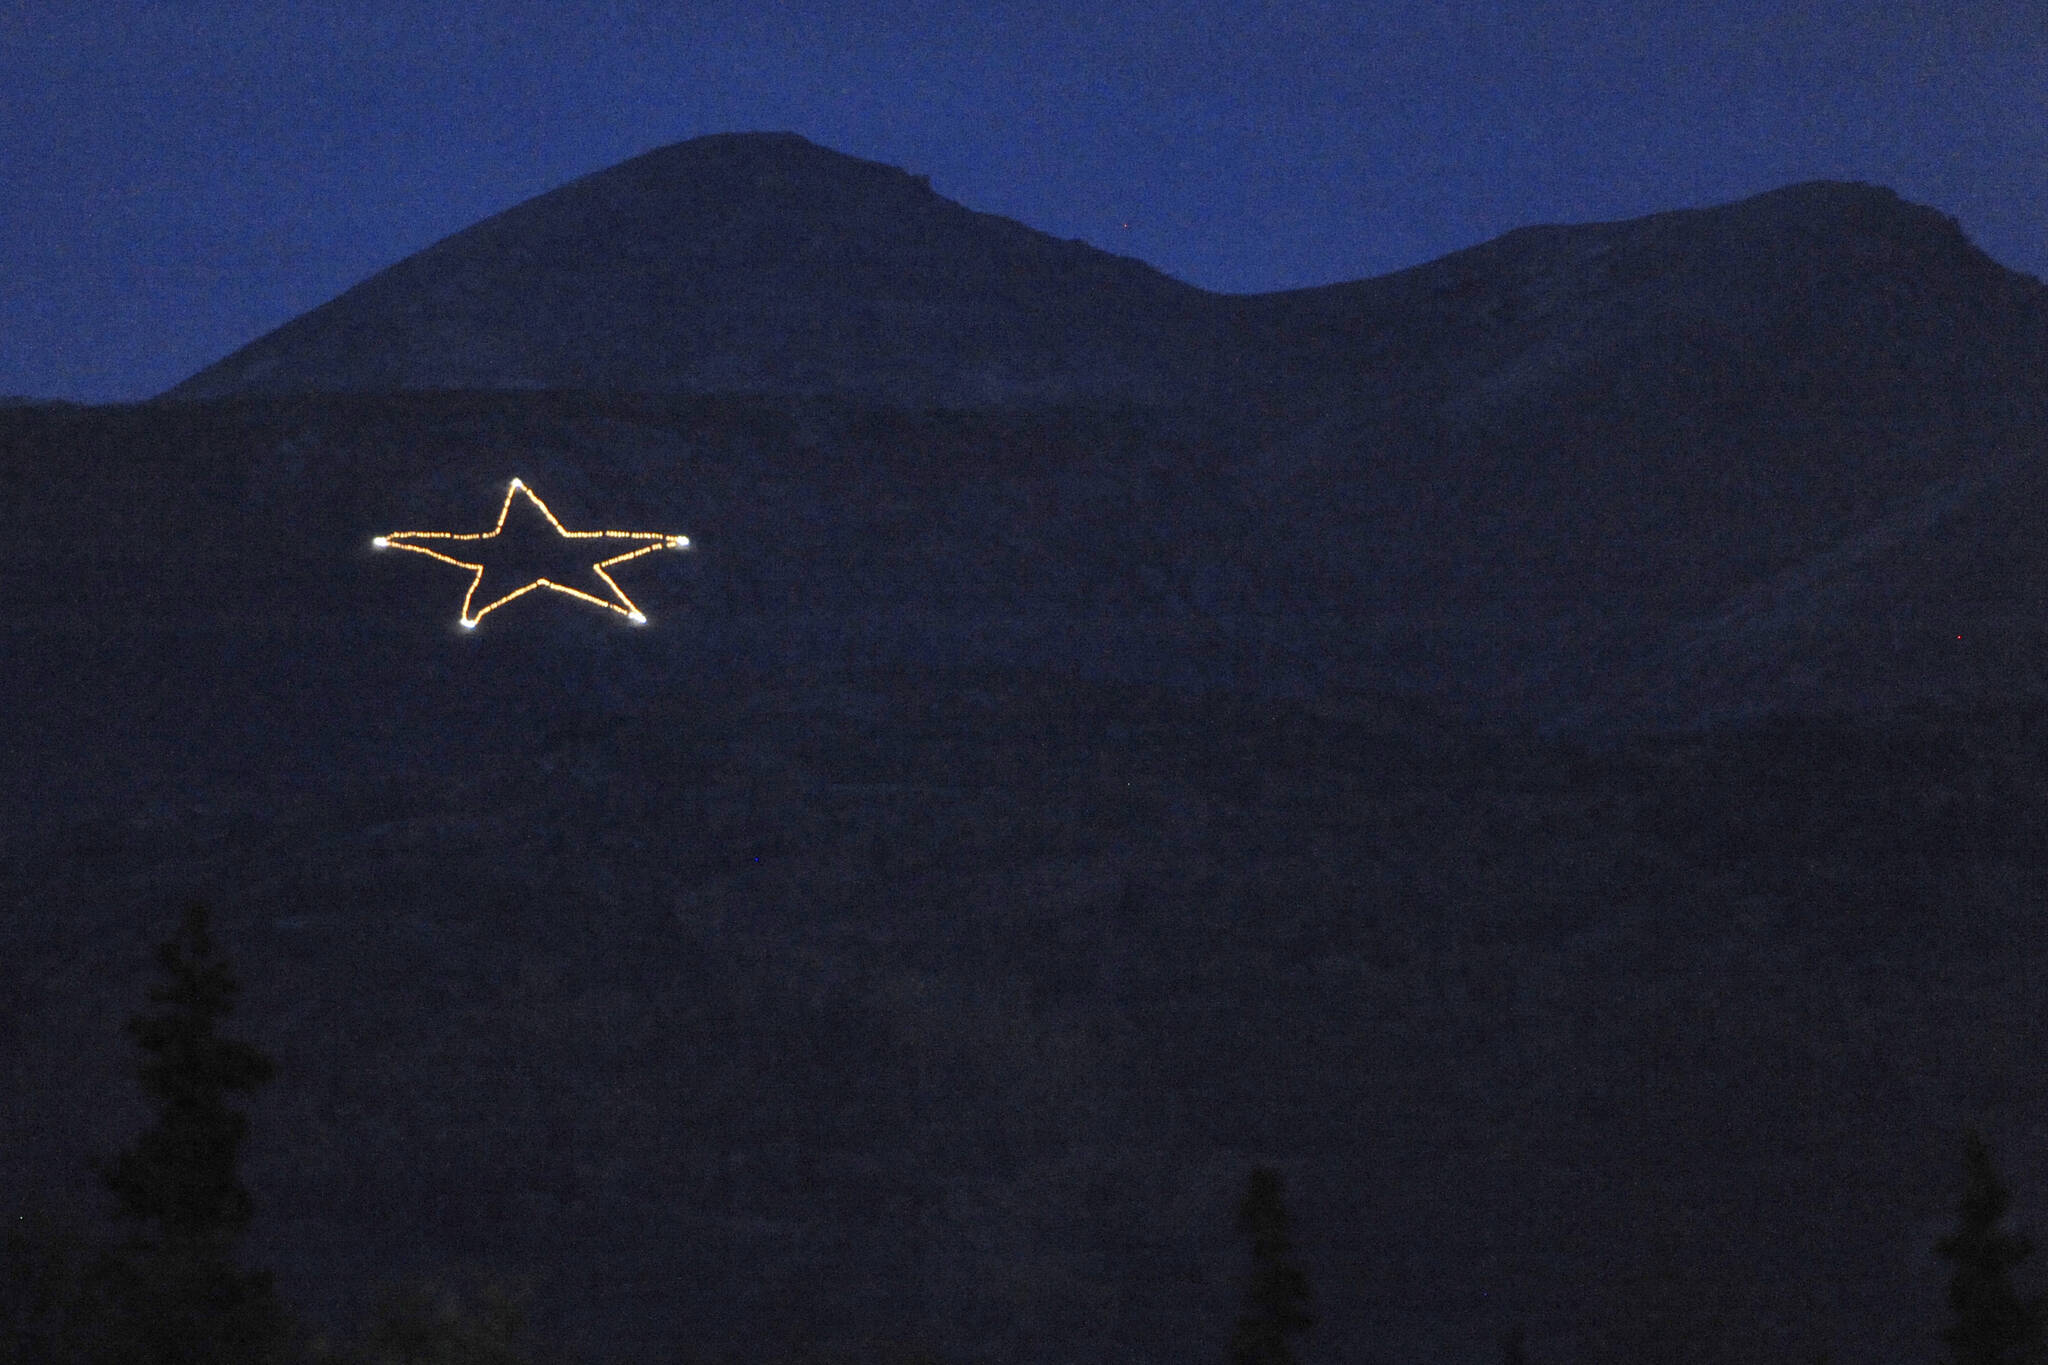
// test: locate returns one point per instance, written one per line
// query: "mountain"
(751, 261)
(1059, 779)
(1597, 441)
(762, 262)
(1532, 475)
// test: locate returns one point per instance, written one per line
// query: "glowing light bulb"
(379, 543)
(469, 625)
(637, 619)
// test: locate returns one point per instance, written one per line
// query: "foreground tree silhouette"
(1993, 1326)
(1276, 1302)
(169, 1293)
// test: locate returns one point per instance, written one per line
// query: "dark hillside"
(954, 1006)
(1542, 750)
(763, 965)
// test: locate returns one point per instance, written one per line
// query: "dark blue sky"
(179, 177)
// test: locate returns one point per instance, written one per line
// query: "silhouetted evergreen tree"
(1276, 1302)
(169, 1293)
(1993, 1326)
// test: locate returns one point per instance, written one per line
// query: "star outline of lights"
(646, 541)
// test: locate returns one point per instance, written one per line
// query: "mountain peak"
(1828, 191)
(743, 262)
(780, 153)
(1851, 211)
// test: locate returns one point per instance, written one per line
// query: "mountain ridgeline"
(750, 262)
(1707, 464)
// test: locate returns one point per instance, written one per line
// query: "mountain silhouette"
(761, 262)
(747, 262)
(1540, 474)
(1101, 736)
(1600, 438)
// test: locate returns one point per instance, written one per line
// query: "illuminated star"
(629, 544)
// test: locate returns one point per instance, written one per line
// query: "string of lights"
(644, 542)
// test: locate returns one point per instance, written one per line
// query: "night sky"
(179, 176)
